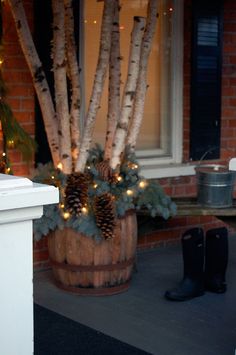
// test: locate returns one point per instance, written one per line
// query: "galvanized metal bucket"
(215, 184)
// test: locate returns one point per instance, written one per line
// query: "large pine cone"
(76, 192)
(104, 209)
(105, 171)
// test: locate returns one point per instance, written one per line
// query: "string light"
(84, 210)
(52, 177)
(10, 143)
(119, 178)
(129, 192)
(95, 186)
(143, 184)
(59, 166)
(66, 215)
(62, 205)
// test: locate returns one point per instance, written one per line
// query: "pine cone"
(105, 171)
(76, 192)
(105, 215)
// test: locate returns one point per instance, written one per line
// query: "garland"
(91, 202)
(13, 135)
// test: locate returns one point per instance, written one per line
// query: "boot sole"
(182, 299)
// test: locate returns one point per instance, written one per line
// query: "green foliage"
(156, 201)
(129, 189)
(14, 132)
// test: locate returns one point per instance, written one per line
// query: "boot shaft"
(193, 253)
(216, 260)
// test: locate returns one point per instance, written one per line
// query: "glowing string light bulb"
(143, 184)
(59, 166)
(84, 210)
(66, 215)
(129, 192)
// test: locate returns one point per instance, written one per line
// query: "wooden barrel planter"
(85, 266)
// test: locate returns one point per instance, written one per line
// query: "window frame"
(151, 160)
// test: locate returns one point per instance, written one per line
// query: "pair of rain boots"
(204, 265)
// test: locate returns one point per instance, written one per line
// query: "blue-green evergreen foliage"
(127, 191)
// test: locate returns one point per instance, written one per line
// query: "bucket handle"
(231, 164)
(205, 154)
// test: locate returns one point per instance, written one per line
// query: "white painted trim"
(156, 156)
(12, 182)
(177, 84)
(165, 171)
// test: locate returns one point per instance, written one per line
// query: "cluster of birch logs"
(69, 144)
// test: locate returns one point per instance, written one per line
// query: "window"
(160, 139)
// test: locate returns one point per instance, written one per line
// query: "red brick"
(40, 255)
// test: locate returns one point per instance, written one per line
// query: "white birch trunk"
(142, 79)
(103, 59)
(129, 91)
(74, 78)
(60, 84)
(38, 76)
(114, 85)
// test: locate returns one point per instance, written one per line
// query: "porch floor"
(142, 317)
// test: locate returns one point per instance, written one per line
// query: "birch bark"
(74, 78)
(60, 84)
(114, 84)
(129, 91)
(38, 76)
(142, 78)
(103, 59)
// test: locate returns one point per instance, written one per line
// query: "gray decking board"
(143, 318)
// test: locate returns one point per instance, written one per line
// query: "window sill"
(164, 171)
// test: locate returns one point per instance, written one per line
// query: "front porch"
(142, 317)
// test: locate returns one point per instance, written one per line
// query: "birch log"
(129, 90)
(38, 76)
(114, 84)
(142, 80)
(60, 84)
(74, 78)
(103, 60)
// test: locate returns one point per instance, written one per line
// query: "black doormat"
(58, 335)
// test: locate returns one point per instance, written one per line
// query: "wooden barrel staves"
(85, 266)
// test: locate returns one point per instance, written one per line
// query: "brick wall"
(170, 231)
(21, 98)
(19, 84)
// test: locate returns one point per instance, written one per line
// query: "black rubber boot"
(192, 284)
(216, 259)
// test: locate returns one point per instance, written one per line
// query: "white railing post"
(21, 201)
